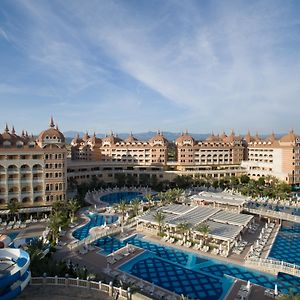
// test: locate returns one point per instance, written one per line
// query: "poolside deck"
(256, 292)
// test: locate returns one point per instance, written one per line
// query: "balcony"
(13, 181)
(12, 172)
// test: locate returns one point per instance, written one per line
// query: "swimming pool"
(182, 270)
(279, 208)
(95, 220)
(119, 196)
(287, 244)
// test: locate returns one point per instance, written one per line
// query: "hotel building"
(32, 171)
(106, 157)
(274, 157)
(216, 157)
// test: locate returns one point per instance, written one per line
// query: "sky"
(139, 65)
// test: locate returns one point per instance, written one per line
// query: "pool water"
(13, 234)
(279, 208)
(196, 276)
(95, 220)
(287, 244)
(119, 196)
(173, 277)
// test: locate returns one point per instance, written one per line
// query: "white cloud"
(222, 66)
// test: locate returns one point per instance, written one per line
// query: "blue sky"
(146, 65)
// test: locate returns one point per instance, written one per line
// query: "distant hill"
(144, 136)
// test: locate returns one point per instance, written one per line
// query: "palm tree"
(290, 296)
(148, 197)
(56, 221)
(183, 228)
(13, 207)
(159, 217)
(136, 204)
(73, 206)
(122, 207)
(203, 229)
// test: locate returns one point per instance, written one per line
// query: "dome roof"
(76, 140)
(223, 136)
(51, 133)
(184, 137)
(290, 137)
(111, 139)
(85, 137)
(212, 138)
(248, 138)
(158, 137)
(94, 140)
(130, 139)
(271, 138)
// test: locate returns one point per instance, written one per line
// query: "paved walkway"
(256, 293)
(40, 292)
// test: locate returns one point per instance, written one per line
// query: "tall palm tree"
(203, 229)
(73, 206)
(148, 197)
(183, 228)
(159, 217)
(136, 204)
(122, 207)
(13, 207)
(56, 221)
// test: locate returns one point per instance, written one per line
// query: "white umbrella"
(201, 243)
(152, 288)
(248, 285)
(141, 284)
(276, 290)
(107, 269)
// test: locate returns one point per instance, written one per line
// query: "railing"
(274, 266)
(85, 284)
(96, 236)
(273, 214)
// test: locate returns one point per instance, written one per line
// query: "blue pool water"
(95, 220)
(119, 196)
(287, 209)
(13, 234)
(287, 244)
(196, 276)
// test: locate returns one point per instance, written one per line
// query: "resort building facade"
(215, 157)
(32, 171)
(274, 157)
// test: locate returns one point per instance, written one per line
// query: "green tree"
(13, 207)
(136, 205)
(122, 208)
(290, 296)
(56, 221)
(203, 229)
(244, 179)
(184, 229)
(73, 206)
(159, 217)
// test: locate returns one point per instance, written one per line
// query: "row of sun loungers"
(262, 241)
(239, 248)
(243, 293)
(115, 257)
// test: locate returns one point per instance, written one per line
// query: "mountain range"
(143, 136)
